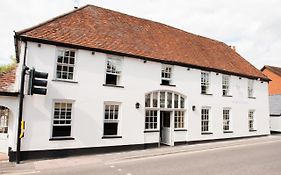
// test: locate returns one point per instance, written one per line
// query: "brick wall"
(275, 84)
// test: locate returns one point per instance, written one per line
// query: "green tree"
(7, 67)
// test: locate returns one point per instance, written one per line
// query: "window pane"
(111, 79)
(61, 131)
(155, 99)
(176, 101)
(169, 100)
(110, 128)
(162, 99)
(147, 100)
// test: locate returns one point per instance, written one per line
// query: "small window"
(250, 88)
(4, 114)
(179, 119)
(111, 120)
(65, 64)
(62, 119)
(151, 119)
(225, 85)
(166, 74)
(113, 70)
(251, 120)
(205, 82)
(205, 119)
(226, 119)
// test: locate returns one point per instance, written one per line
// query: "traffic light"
(37, 82)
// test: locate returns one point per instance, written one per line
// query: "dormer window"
(166, 74)
(113, 70)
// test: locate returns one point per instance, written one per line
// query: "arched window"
(164, 99)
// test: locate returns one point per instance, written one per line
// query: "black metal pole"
(24, 68)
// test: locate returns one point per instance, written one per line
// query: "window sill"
(172, 85)
(252, 97)
(111, 137)
(61, 138)
(180, 129)
(227, 95)
(112, 85)
(227, 131)
(252, 130)
(206, 133)
(205, 94)
(148, 131)
(65, 81)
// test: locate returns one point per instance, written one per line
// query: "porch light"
(193, 108)
(137, 105)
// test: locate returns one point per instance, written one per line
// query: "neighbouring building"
(121, 82)
(274, 73)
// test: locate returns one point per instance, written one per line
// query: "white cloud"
(252, 25)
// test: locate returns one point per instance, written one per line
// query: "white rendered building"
(120, 82)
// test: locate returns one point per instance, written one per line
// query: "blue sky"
(253, 26)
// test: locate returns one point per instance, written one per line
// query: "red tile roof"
(106, 30)
(276, 70)
(7, 80)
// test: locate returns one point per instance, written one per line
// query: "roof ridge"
(149, 20)
(50, 20)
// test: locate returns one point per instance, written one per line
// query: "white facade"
(88, 95)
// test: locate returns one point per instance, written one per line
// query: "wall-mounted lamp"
(39, 45)
(188, 68)
(137, 105)
(93, 53)
(193, 108)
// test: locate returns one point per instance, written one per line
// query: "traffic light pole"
(23, 72)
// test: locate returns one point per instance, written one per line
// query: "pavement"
(3, 157)
(37, 166)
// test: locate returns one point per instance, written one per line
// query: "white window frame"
(117, 61)
(205, 82)
(66, 101)
(250, 88)
(251, 120)
(226, 119)
(109, 120)
(167, 73)
(68, 65)
(208, 120)
(4, 120)
(150, 120)
(225, 85)
(179, 119)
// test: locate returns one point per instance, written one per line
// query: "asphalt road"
(250, 159)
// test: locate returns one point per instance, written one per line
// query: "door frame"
(171, 128)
